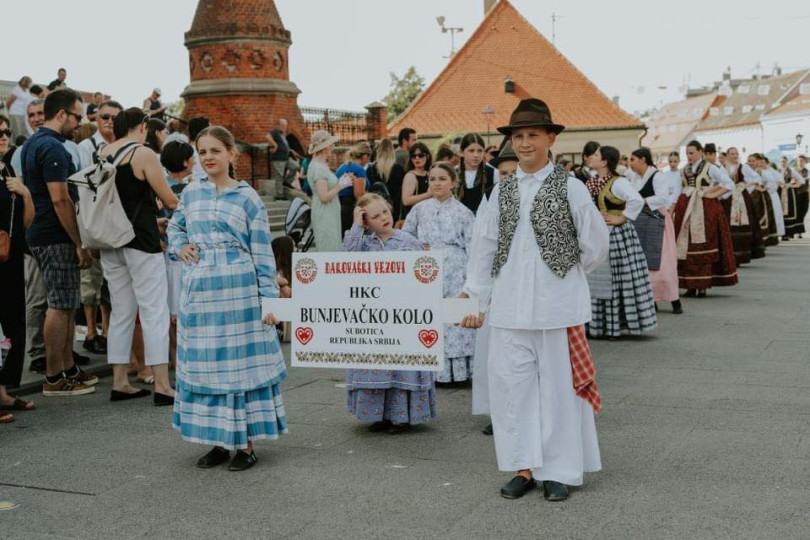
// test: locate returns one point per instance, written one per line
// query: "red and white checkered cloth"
(582, 368)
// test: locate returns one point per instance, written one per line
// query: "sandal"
(18, 405)
(6, 418)
(149, 379)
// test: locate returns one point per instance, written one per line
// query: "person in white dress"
(773, 180)
(540, 234)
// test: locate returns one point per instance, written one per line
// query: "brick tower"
(238, 58)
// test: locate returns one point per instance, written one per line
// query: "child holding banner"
(540, 234)
(393, 400)
(446, 225)
(229, 361)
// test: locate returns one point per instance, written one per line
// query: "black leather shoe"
(487, 430)
(518, 487)
(242, 461)
(80, 360)
(378, 427)
(162, 400)
(396, 429)
(217, 456)
(116, 395)
(94, 346)
(677, 308)
(554, 491)
(701, 293)
(690, 293)
(38, 365)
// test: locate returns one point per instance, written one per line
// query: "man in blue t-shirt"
(359, 156)
(54, 240)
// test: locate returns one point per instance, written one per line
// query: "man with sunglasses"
(93, 291)
(54, 238)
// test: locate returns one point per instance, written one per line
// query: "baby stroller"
(298, 224)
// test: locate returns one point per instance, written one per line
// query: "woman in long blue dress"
(393, 400)
(229, 361)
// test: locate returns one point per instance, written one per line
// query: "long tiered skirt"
(664, 281)
(631, 307)
(797, 203)
(763, 209)
(403, 397)
(710, 263)
(746, 239)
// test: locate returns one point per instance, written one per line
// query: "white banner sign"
(380, 310)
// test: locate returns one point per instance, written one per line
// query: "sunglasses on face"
(418, 156)
(5, 133)
(78, 117)
(106, 116)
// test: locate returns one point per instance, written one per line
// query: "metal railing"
(350, 126)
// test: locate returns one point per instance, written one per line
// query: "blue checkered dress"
(229, 365)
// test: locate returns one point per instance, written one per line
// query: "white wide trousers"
(538, 420)
(137, 282)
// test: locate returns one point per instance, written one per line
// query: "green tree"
(403, 91)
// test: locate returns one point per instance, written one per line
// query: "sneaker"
(38, 365)
(85, 378)
(66, 387)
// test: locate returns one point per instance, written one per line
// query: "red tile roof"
(507, 45)
(673, 122)
(753, 99)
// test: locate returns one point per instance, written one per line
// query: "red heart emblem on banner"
(428, 337)
(304, 334)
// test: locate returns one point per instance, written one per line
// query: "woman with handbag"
(631, 306)
(655, 228)
(16, 214)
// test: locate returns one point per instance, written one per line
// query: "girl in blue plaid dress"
(392, 400)
(229, 361)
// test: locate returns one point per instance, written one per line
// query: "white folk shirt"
(526, 294)
(718, 175)
(772, 179)
(750, 176)
(469, 176)
(796, 175)
(633, 203)
(660, 187)
(674, 184)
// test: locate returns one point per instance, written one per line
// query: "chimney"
(488, 5)
(509, 85)
(727, 74)
(616, 100)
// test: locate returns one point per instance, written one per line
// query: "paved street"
(705, 434)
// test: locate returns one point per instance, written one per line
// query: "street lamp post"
(453, 31)
(488, 112)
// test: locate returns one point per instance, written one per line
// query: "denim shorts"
(60, 272)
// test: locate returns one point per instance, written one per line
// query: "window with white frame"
(744, 89)
(728, 111)
(764, 89)
(747, 109)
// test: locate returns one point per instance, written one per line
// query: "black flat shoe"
(396, 429)
(243, 461)
(378, 427)
(217, 456)
(80, 360)
(162, 400)
(518, 487)
(554, 491)
(690, 293)
(701, 293)
(677, 308)
(487, 430)
(94, 346)
(116, 395)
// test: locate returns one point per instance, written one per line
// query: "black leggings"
(12, 316)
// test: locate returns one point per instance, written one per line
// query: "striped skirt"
(632, 307)
(229, 420)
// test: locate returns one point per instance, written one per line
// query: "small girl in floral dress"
(392, 400)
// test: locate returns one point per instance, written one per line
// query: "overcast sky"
(343, 51)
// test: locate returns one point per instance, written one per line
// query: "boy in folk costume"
(540, 235)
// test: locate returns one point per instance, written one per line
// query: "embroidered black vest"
(550, 218)
(471, 197)
(699, 178)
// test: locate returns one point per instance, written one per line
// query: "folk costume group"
(551, 258)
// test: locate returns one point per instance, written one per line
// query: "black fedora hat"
(507, 153)
(531, 113)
